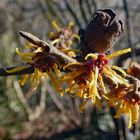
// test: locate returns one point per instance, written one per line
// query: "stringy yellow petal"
(57, 72)
(17, 69)
(29, 54)
(55, 82)
(33, 75)
(39, 49)
(82, 106)
(115, 77)
(76, 36)
(24, 79)
(99, 104)
(79, 93)
(29, 45)
(94, 56)
(119, 69)
(135, 113)
(26, 56)
(56, 26)
(130, 119)
(71, 64)
(93, 99)
(102, 83)
(126, 107)
(70, 25)
(95, 83)
(55, 41)
(91, 85)
(36, 79)
(115, 54)
(72, 75)
(93, 91)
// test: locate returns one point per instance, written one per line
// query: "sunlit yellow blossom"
(63, 38)
(43, 63)
(129, 109)
(121, 99)
(87, 77)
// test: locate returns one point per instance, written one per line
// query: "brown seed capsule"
(100, 34)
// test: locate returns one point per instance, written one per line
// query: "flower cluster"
(44, 63)
(90, 79)
(63, 38)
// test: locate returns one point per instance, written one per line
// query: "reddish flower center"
(100, 62)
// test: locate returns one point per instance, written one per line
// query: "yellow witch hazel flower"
(44, 64)
(63, 38)
(88, 80)
(122, 99)
(86, 77)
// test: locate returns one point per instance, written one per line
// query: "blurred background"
(45, 115)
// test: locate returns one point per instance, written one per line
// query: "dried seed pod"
(100, 34)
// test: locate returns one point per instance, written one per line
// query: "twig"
(61, 107)
(94, 4)
(83, 11)
(130, 36)
(32, 114)
(54, 98)
(62, 12)
(124, 128)
(23, 100)
(88, 5)
(116, 122)
(40, 108)
(48, 48)
(73, 14)
(51, 8)
(43, 10)
(37, 42)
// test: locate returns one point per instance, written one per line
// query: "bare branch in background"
(116, 123)
(41, 107)
(61, 107)
(32, 114)
(88, 6)
(73, 13)
(129, 26)
(82, 10)
(124, 128)
(43, 11)
(49, 48)
(54, 98)
(94, 5)
(51, 8)
(130, 36)
(23, 100)
(62, 11)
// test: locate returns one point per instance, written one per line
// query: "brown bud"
(100, 34)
